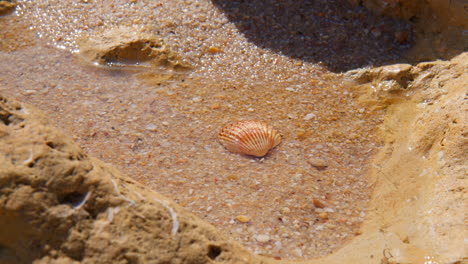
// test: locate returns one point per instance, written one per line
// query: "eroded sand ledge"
(59, 205)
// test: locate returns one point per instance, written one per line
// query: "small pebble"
(376, 32)
(297, 252)
(243, 218)
(214, 50)
(216, 106)
(318, 203)
(151, 127)
(309, 116)
(29, 92)
(232, 177)
(285, 210)
(278, 244)
(262, 238)
(323, 215)
(301, 134)
(318, 163)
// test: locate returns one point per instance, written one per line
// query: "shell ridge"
(249, 137)
(257, 140)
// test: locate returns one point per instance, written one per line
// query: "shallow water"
(165, 135)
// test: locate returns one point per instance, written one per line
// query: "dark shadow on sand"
(330, 32)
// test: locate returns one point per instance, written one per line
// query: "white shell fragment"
(249, 137)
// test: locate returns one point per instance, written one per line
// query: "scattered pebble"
(243, 218)
(29, 92)
(319, 146)
(151, 127)
(297, 252)
(278, 244)
(318, 163)
(309, 116)
(285, 210)
(323, 215)
(215, 106)
(301, 134)
(262, 238)
(214, 50)
(376, 32)
(318, 204)
(233, 177)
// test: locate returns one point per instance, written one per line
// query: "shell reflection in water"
(249, 137)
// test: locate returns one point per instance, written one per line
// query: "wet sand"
(164, 134)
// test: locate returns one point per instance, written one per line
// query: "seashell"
(249, 137)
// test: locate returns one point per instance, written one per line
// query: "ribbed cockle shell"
(249, 137)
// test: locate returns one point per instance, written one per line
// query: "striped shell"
(249, 137)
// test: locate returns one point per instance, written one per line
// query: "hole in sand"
(74, 199)
(5, 118)
(214, 251)
(51, 144)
